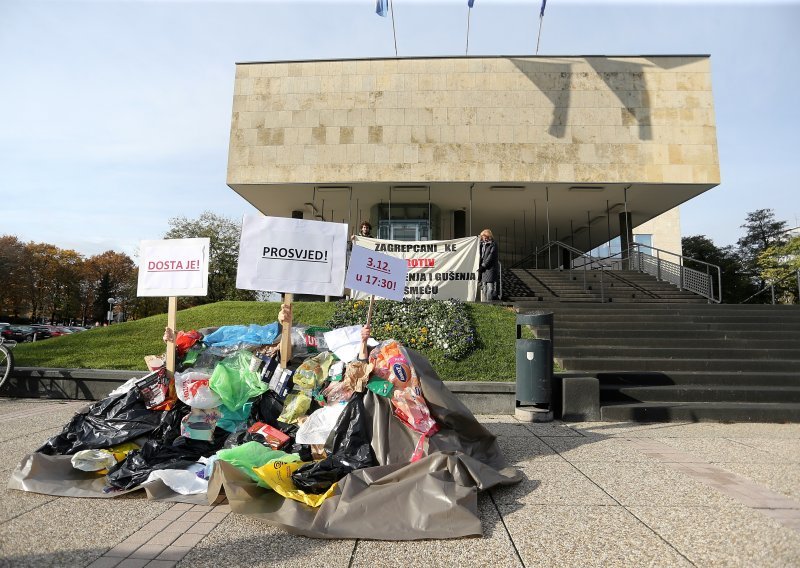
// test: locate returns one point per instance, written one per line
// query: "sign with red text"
(437, 270)
(173, 267)
(376, 273)
(292, 255)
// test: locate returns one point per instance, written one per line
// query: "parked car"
(57, 330)
(42, 332)
(19, 333)
(75, 328)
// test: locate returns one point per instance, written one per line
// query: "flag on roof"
(541, 12)
(382, 7)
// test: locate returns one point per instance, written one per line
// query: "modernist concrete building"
(574, 149)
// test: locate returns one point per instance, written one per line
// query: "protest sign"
(376, 273)
(292, 255)
(173, 267)
(437, 270)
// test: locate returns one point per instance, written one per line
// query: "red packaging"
(275, 438)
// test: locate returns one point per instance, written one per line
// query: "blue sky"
(115, 115)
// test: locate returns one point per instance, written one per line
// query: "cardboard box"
(275, 438)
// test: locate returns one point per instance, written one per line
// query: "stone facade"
(647, 120)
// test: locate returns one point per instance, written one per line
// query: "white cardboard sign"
(376, 273)
(292, 255)
(173, 267)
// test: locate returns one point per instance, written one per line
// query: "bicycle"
(6, 360)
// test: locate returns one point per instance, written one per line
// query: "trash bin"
(535, 362)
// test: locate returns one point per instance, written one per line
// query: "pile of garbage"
(318, 448)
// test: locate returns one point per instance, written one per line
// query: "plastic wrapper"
(316, 429)
(200, 423)
(391, 363)
(158, 390)
(155, 455)
(193, 389)
(348, 449)
(106, 423)
(185, 340)
(381, 387)
(295, 406)
(308, 340)
(234, 382)
(313, 372)
(248, 456)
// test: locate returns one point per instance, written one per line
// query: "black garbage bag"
(240, 437)
(111, 421)
(348, 448)
(266, 409)
(158, 454)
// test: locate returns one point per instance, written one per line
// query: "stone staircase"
(523, 284)
(667, 361)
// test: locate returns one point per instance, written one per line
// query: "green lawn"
(124, 346)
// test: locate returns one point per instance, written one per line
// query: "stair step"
(675, 352)
(720, 378)
(746, 341)
(666, 365)
(666, 335)
(699, 393)
(702, 412)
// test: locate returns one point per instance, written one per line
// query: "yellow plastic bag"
(278, 475)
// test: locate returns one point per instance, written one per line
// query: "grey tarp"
(435, 497)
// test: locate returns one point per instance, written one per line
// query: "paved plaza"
(594, 494)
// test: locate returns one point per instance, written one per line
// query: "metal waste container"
(535, 361)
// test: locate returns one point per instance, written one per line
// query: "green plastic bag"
(234, 382)
(252, 454)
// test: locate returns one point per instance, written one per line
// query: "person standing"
(489, 268)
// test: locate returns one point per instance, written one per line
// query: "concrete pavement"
(595, 494)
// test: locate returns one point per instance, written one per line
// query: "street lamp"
(111, 302)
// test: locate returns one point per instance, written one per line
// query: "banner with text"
(292, 255)
(173, 267)
(437, 270)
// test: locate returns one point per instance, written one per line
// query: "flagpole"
(540, 35)
(394, 33)
(469, 11)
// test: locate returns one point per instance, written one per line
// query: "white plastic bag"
(315, 430)
(93, 460)
(183, 481)
(192, 388)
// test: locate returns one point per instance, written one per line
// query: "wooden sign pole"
(362, 349)
(286, 333)
(172, 323)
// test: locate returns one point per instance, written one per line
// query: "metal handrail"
(592, 264)
(772, 287)
(686, 277)
(702, 283)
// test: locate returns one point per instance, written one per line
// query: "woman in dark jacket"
(489, 269)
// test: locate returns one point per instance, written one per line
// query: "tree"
(780, 266)
(12, 290)
(762, 232)
(109, 276)
(223, 234)
(736, 285)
